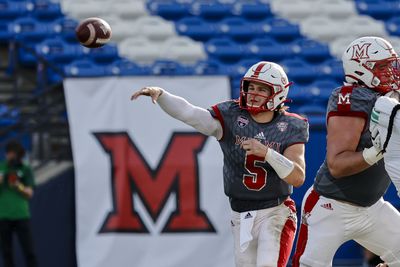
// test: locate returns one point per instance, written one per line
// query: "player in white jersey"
(263, 148)
(385, 129)
(345, 202)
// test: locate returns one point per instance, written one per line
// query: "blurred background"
(161, 39)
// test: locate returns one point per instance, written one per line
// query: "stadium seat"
(207, 67)
(322, 28)
(182, 49)
(224, 50)
(57, 51)
(364, 26)
(331, 69)
(65, 27)
(139, 49)
(310, 50)
(27, 32)
(168, 9)
(280, 29)
(104, 54)
(339, 45)
(393, 26)
(210, 10)
(128, 9)
(46, 10)
(84, 68)
(293, 9)
(237, 29)
(125, 67)
(155, 28)
(251, 9)
(299, 70)
(378, 9)
(10, 10)
(169, 67)
(85, 9)
(196, 28)
(122, 28)
(268, 49)
(337, 9)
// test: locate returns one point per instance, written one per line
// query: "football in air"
(93, 32)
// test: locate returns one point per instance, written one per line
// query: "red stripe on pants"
(287, 236)
(310, 203)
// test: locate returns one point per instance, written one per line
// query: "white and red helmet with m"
(372, 62)
(271, 75)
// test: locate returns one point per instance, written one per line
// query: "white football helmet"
(270, 74)
(372, 61)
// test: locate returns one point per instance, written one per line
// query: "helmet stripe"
(258, 70)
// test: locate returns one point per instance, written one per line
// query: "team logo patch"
(242, 121)
(282, 126)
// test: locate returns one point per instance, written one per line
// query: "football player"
(345, 202)
(263, 148)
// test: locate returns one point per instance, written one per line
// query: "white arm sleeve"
(197, 117)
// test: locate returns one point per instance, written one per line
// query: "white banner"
(149, 189)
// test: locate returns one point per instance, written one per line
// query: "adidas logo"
(248, 216)
(327, 206)
(260, 136)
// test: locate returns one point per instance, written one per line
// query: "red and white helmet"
(270, 74)
(372, 61)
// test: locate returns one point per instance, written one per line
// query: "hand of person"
(152, 91)
(375, 137)
(254, 147)
(382, 265)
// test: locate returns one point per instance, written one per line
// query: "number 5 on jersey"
(257, 178)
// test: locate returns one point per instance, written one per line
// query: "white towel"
(246, 225)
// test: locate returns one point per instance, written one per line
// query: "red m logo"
(176, 172)
(360, 52)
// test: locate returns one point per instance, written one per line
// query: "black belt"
(239, 205)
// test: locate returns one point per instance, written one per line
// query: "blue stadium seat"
(393, 26)
(310, 50)
(168, 67)
(27, 32)
(378, 9)
(299, 70)
(278, 28)
(267, 48)
(65, 27)
(224, 50)
(104, 54)
(251, 9)
(196, 28)
(46, 10)
(331, 69)
(57, 51)
(10, 10)
(168, 9)
(208, 67)
(84, 68)
(125, 67)
(5, 34)
(210, 10)
(237, 29)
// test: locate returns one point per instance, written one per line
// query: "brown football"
(93, 32)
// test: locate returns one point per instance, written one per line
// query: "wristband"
(282, 165)
(371, 155)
